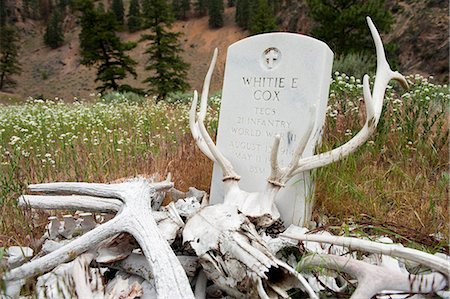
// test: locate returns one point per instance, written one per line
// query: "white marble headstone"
(271, 81)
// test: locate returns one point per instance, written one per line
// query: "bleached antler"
(199, 132)
(261, 204)
(374, 105)
(374, 279)
(134, 216)
(426, 259)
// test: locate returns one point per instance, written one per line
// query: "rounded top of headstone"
(282, 38)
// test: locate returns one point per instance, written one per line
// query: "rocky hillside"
(421, 32)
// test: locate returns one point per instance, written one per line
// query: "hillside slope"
(421, 31)
(58, 73)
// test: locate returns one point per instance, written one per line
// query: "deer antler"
(199, 132)
(374, 105)
(375, 279)
(134, 215)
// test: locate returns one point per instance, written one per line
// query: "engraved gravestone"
(271, 81)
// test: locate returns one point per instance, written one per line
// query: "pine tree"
(185, 8)
(342, 24)
(201, 7)
(180, 9)
(9, 51)
(3, 13)
(215, 11)
(31, 9)
(242, 17)
(118, 11)
(45, 7)
(54, 35)
(134, 16)
(168, 69)
(101, 7)
(262, 19)
(101, 47)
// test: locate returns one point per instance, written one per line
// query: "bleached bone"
(135, 217)
(12, 289)
(81, 277)
(78, 202)
(374, 279)
(124, 286)
(374, 104)
(72, 280)
(168, 221)
(423, 258)
(137, 264)
(53, 227)
(116, 248)
(88, 222)
(18, 255)
(234, 256)
(159, 196)
(260, 206)
(200, 285)
(192, 192)
(68, 227)
(52, 245)
(188, 206)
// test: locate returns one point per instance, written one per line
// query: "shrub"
(356, 64)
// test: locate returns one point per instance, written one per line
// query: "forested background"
(72, 48)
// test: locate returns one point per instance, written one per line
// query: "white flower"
(14, 140)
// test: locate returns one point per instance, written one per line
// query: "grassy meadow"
(396, 184)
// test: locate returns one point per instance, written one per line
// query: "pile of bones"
(125, 244)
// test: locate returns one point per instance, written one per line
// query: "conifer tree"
(134, 16)
(9, 51)
(185, 8)
(3, 13)
(215, 11)
(54, 35)
(342, 24)
(168, 69)
(101, 47)
(201, 7)
(180, 9)
(262, 19)
(101, 7)
(118, 11)
(45, 7)
(242, 17)
(31, 9)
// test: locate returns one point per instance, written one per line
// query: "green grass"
(397, 181)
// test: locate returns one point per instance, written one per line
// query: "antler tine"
(280, 176)
(193, 121)
(275, 172)
(205, 90)
(193, 124)
(374, 105)
(204, 141)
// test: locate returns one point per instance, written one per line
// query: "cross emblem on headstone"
(271, 56)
